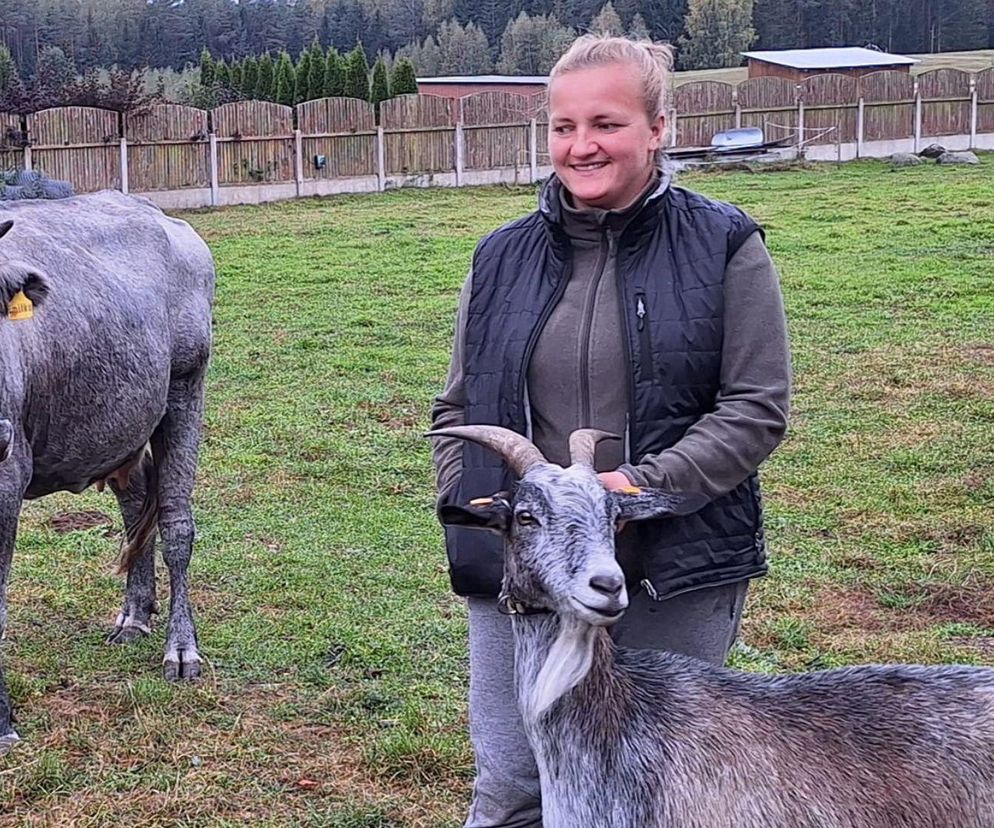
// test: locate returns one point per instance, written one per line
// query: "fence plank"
(416, 111)
(946, 103)
(830, 106)
(770, 104)
(11, 153)
(889, 99)
(335, 116)
(702, 108)
(78, 144)
(985, 100)
(255, 142)
(495, 130)
(167, 148)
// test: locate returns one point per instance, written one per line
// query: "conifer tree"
(265, 87)
(403, 81)
(357, 74)
(285, 80)
(334, 74)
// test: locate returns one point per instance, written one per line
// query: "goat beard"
(567, 663)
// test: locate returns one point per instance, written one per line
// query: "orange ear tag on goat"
(481, 501)
(630, 490)
(20, 307)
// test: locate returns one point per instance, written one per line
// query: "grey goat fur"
(645, 739)
(105, 384)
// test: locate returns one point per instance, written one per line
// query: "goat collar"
(507, 604)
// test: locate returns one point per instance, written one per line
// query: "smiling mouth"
(597, 165)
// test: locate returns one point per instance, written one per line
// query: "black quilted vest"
(670, 268)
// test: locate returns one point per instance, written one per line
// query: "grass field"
(334, 690)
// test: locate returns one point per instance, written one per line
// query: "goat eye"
(525, 518)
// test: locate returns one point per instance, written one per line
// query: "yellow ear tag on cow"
(481, 501)
(630, 490)
(20, 307)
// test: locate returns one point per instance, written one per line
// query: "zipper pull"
(640, 311)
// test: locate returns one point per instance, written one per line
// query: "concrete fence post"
(973, 112)
(124, 166)
(918, 118)
(381, 166)
(215, 185)
(860, 113)
(460, 147)
(533, 149)
(298, 159)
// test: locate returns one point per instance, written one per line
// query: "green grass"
(334, 691)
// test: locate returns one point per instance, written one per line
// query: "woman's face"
(601, 140)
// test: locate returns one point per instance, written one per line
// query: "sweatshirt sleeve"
(448, 407)
(749, 418)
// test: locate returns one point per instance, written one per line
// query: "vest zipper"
(533, 340)
(627, 343)
(589, 300)
(645, 337)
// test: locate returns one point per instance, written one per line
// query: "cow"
(105, 336)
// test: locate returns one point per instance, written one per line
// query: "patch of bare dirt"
(65, 522)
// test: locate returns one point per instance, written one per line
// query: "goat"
(646, 739)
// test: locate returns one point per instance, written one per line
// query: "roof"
(844, 57)
(522, 79)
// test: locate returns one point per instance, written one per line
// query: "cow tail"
(144, 529)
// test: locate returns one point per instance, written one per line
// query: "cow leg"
(135, 619)
(11, 494)
(175, 444)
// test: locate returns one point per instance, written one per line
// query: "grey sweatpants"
(506, 792)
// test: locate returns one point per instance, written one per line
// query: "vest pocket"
(648, 366)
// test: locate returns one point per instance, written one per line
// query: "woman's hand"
(614, 480)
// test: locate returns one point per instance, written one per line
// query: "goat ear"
(646, 504)
(492, 513)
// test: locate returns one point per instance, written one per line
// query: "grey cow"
(104, 384)
(644, 739)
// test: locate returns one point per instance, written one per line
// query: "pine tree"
(285, 80)
(334, 74)
(301, 77)
(403, 81)
(357, 74)
(265, 88)
(379, 89)
(9, 77)
(250, 78)
(236, 79)
(222, 75)
(315, 74)
(717, 32)
(207, 69)
(607, 21)
(531, 45)
(638, 30)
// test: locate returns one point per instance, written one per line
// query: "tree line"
(456, 36)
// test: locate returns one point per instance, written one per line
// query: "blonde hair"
(652, 61)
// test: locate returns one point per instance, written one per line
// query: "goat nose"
(609, 585)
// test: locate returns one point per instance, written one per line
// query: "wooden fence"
(430, 139)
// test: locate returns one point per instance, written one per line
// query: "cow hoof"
(181, 666)
(7, 741)
(126, 635)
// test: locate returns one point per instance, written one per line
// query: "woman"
(628, 304)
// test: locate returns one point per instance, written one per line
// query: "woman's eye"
(525, 518)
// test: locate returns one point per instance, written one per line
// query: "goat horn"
(517, 451)
(583, 442)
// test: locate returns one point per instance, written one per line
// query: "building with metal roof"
(455, 86)
(798, 64)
